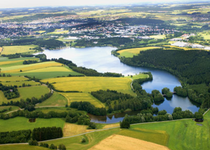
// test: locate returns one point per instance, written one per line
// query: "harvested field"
(119, 142)
(111, 125)
(73, 129)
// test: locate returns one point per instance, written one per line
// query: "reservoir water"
(100, 59)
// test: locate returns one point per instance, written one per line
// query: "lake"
(100, 59)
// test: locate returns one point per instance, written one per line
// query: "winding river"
(100, 59)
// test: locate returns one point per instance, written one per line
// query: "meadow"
(133, 51)
(27, 92)
(183, 134)
(138, 76)
(73, 129)
(88, 84)
(84, 97)
(5, 62)
(21, 123)
(18, 49)
(55, 100)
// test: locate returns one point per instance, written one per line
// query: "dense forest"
(192, 67)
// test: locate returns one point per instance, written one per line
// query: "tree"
(198, 116)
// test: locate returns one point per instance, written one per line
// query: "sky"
(38, 3)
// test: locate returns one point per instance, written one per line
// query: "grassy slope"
(55, 100)
(21, 147)
(184, 134)
(20, 123)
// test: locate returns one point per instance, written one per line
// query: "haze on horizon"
(41, 3)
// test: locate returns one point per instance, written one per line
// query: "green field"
(20, 83)
(84, 97)
(183, 134)
(88, 84)
(49, 72)
(154, 136)
(158, 36)
(55, 100)
(133, 51)
(5, 62)
(20, 123)
(27, 92)
(7, 107)
(18, 49)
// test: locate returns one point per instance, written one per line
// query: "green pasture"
(18, 49)
(154, 136)
(7, 107)
(21, 123)
(158, 36)
(55, 100)
(59, 109)
(3, 98)
(84, 97)
(88, 84)
(183, 134)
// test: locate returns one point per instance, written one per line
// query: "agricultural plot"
(23, 68)
(55, 100)
(21, 123)
(27, 92)
(9, 108)
(18, 49)
(73, 129)
(12, 79)
(119, 142)
(21, 83)
(58, 31)
(84, 97)
(0, 50)
(13, 62)
(154, 136)
(88, 84)
(133, 51)
(91, 138)
(184, 134)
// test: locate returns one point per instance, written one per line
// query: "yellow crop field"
(9, 62)
(119, 142)
(73, 129)
(84, 97)
(52, 69)
(18, 49)
(58, 31)
(0, 49)
(17, 68)
(13, 79)
(88, 84)
(134, 51)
